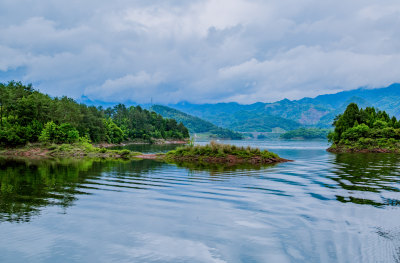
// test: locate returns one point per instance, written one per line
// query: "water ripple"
(321, 208)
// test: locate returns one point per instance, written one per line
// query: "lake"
(322, 207)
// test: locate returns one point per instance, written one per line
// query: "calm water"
(321, 208)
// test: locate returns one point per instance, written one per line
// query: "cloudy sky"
(201, 50)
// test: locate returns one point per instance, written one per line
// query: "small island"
(365, 130)
(215, 153)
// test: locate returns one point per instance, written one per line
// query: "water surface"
(321, 208)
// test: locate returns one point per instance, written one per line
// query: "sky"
(201, 51)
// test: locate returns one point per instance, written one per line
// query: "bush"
(12, 135)
(67, 133)
(114, 134)
(356, 132)
(63, 133)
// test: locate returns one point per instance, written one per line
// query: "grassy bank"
(222, 153)
(76, 150)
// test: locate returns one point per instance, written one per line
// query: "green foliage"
(306, 133)
(365, 129)
(11, 135)
(49, 133)
(26, 115)
(136, 122)
(356, 132)
(64, 133)
(380, 124)
(114, 134)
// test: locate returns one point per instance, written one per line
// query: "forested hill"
(26, 115)
(237, 117)
(288, 115)
(195, 124)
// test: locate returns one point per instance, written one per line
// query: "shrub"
(356, 132)
(12, 135)
(63, 133)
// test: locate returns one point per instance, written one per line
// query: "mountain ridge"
(290, 114)
(314, 112)
(195, 124)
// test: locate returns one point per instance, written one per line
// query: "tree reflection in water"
(27, 186)
(368, 178)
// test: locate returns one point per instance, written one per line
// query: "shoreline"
(81, 151)
(342, 149)
(157, 142)
(86, 150)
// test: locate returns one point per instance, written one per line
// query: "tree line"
(27, 115)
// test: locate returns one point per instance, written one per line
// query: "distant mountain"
(288, 115)
(285, 114)
(238, 117)
(195, 124)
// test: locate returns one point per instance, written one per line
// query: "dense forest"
(306, 133)
(27, 115)
(358, 129)
(195, 124)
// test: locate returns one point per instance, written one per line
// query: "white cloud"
(200, 51)
(311, 68)
(140, 87)
(10, 58)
